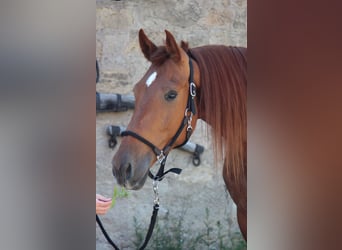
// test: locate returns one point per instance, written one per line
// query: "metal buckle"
(192, 89)
(156, 193)
(161, 156)
(186, 113)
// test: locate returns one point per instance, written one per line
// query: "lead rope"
(105, 233)
(152, 223)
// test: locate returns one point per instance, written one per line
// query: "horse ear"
(185, 46)
(172, 47)
(147, 47)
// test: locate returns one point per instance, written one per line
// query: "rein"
(161, 155)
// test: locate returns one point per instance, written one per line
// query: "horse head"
(161, 106)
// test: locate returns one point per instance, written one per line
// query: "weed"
(171, 234)
(122, 193)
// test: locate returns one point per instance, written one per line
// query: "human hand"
(102, 204)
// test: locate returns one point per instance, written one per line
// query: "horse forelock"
(160, 56)
(222, 102)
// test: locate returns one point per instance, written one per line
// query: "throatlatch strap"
(192, 89)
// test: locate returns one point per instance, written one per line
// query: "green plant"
(122, 193)
(138, 233)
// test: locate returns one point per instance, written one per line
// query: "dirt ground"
(192, 203)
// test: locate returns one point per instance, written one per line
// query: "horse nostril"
(129, 171)
(114, 171)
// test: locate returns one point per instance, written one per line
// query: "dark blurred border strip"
(294, 125)
(47, 124)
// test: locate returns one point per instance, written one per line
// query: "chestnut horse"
(182, 85)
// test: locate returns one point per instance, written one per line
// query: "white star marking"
(151, 78)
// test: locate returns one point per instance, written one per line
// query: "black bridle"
(162, 154)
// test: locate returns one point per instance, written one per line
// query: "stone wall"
(199, 22)
(122, 64)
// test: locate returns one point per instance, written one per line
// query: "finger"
(105, 200)
(101, 211)
(103, 203)
(102, 198)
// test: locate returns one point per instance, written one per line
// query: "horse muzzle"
(131, 172)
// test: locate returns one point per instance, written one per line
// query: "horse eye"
(171, 95)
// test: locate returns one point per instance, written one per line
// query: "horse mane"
(222, 102)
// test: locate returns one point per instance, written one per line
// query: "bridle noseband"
(162, 154)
